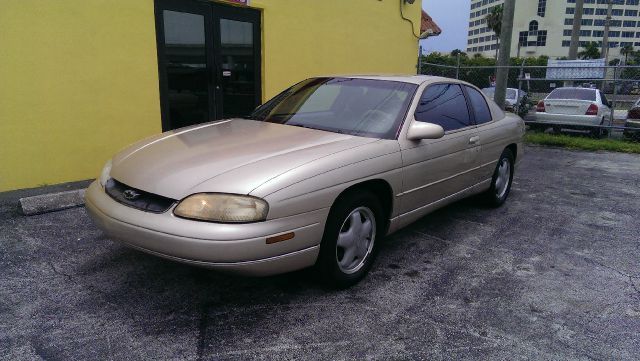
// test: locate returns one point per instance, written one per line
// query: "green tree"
(626, 51)
(591, 51)
(494, 22)
(457, 52)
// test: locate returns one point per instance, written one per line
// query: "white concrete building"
(543, 27)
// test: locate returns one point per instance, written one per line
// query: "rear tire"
(537, 127)
(352, 233)
(501, 180)
(597, 133)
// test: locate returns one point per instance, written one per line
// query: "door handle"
(474, 140)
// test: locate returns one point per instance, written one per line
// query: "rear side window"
(445, 105)
(479, 104)
(573, 93)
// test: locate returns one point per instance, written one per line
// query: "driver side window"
(445, 105)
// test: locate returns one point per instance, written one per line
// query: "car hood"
(232, 156)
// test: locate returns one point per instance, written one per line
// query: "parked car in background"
(516, 100)
(315, 176)
(633, 121)
(574, 108)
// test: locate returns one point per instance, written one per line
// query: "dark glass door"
(238, 54)
(209, 61)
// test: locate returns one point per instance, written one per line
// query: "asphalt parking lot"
(553, 274)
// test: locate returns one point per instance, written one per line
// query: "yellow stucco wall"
(304, 38)
(78, 81)
(79, 78)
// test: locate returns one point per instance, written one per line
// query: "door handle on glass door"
(474, 140)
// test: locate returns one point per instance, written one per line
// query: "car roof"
(405, 78)
(575, 87)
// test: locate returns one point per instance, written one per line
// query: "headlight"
(104, 175)
(224, 208)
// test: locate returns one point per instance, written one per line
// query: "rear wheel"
(598, 132)
(350, 240)
(501, 180)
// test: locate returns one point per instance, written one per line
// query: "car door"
(434, 169)
(491, 135)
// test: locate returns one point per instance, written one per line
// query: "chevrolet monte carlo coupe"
(314, 177)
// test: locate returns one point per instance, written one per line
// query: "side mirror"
(420, 130)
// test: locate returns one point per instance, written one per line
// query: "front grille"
(136, 198)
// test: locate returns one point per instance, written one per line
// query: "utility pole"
(604, 52)
(419, 60)
(575, 32)
(506, 32)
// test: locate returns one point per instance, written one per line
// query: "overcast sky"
(453, 17)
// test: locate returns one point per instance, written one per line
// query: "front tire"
(350, 241)
(501, 180)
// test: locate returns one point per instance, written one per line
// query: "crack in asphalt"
(623, 274)
(103, 295)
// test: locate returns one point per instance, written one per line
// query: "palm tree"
(626, 51)
(456, 52)
(590, 51)
(494, 22)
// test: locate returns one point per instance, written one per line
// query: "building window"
(566, 43)
(542, 38)
(587, 22)
(533, 27)
(629, 24)
(588, 11)
(570, 11)
(524, 37)
(567, 32)
(542, 7)
(631, 13)
(585, 32)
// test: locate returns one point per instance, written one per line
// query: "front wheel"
(501, 180)
(349, 243)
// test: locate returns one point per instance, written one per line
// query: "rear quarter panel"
(495, 137)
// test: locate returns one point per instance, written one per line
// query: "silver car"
(574, 108)
(515, 101)
(316, 176)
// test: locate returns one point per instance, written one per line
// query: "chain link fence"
(536, 93)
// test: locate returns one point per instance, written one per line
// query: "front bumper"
(567, 119)
(236, 248)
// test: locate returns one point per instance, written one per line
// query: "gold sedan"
(315, 177)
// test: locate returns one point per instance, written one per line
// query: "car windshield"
(361, 107)
(573, 93)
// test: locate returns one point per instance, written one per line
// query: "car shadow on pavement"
(157, 296)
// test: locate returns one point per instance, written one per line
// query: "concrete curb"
(51, 202)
